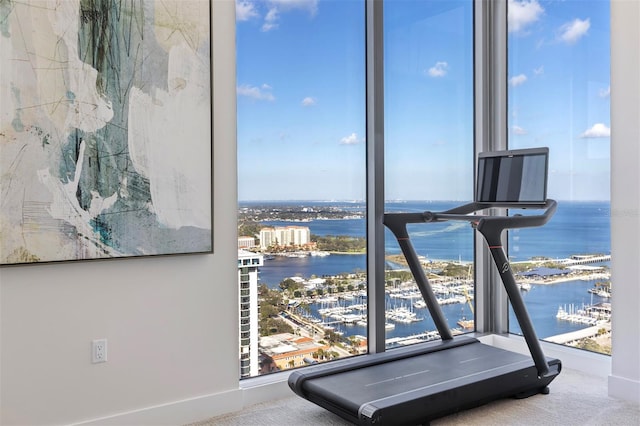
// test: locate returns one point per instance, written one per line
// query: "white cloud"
(352, 139)
(276, 7)
(539, 70)
(518, 130)
(259, 93)
(438, 70)
(522, 13)
(310, 6)
(573, 31)
(308, 101)
(605, 93)
(271, 20)
(598, 130)
(245, 10)
(517, 80)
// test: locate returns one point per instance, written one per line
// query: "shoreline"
(591, 276)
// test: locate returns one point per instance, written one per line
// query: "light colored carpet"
(575, 399)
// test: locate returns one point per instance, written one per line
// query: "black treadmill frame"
(426, 404)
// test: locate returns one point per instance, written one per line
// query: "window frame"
(490, 133)
(485, 41)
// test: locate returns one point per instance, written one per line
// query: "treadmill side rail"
(422, 406)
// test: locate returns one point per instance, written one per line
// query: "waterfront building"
(314, 283)
(248, 264)
(267, 238)
(290, 351)
(284, 236)
(246, 242)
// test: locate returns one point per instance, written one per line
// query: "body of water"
(576, 228)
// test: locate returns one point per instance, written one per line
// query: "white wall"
(171, 322)
(624, 381)
(172, 330)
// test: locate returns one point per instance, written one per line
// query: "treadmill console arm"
(491, 228)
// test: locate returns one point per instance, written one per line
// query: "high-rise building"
(284, 236)
(248, 264)
(245, 242)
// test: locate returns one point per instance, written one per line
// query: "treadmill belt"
(426, 373)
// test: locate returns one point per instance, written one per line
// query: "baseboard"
(625, 389)
(175, 413)
(201, 408)
(266, 388)
(273, 387)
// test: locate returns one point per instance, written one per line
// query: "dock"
(586, 259)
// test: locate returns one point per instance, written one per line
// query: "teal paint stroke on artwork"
(16, 123)
(6, 7)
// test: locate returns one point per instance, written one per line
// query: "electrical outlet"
(99, 351)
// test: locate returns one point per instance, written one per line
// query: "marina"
(408, 318)
(587, 314)
(556, 309)
(543, 295)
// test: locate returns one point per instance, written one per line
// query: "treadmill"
(419, 383)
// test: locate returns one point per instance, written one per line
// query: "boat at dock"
(403, 315)
(588, 314)
(524, 286)
(420, 304)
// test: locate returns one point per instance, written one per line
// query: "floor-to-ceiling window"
(301, 181)
(428, 159)
(302, 170)
(558, 96)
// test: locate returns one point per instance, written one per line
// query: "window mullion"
(490, 75)
(375, 175)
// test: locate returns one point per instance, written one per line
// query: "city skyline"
(301, 97)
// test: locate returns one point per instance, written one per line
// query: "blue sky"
(559, 83)
(301, 97)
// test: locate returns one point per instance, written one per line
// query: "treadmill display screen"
(514, 176)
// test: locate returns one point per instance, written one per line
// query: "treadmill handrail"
(491, 227)
(397, 223)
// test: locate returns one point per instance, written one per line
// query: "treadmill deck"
(423, 386)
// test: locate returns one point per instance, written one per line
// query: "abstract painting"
(105, 129)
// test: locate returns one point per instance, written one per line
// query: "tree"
(319, 354)
(455, 270)
(249, 228)
(332, 337)
(289, 284)
(303, 308)
(593, 346)
(269, 326)
(340, 243)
